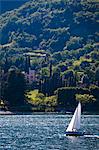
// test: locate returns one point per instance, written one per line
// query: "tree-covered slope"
(67, 29)
(67, 32)
(7, 5)
(50, 24)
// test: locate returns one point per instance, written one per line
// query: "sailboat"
(74, 125)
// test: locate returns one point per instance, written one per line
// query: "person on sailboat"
(74, 130)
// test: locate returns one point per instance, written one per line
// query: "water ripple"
(46, 132)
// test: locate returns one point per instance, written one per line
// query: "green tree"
(97, 76)
(74, 43)
(14, 89)
(85, 98)
(69, 78)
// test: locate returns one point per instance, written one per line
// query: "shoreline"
(44, 113)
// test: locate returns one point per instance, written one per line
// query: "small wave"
(91, 136)
(87, 136)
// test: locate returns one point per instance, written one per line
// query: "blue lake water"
(46, 132)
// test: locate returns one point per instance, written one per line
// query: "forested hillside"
(7, 5)
(62, 27)
(65, 30)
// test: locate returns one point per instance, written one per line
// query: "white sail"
(75, 121)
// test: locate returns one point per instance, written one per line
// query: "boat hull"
(74, 133)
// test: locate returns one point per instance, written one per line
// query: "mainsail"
(75, 121)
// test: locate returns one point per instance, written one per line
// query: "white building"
(30, 76)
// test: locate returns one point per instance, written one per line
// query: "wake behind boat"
(74, 126)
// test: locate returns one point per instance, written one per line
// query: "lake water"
(46, 132)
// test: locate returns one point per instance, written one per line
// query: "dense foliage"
(68, 98)
(85, 98)
(66, 28)
(41, 102)
(66, 31)
(13, 89)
